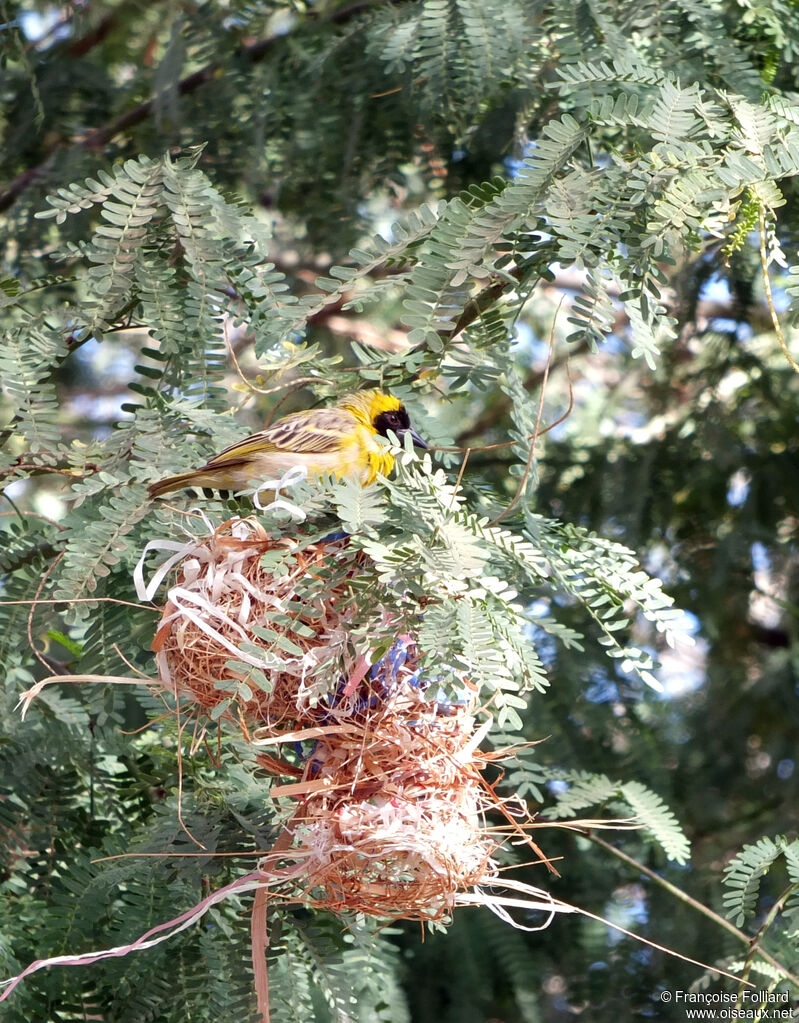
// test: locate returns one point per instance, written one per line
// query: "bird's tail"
(185, 479)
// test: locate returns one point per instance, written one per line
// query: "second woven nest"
(391, 821)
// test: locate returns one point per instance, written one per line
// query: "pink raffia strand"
(27, 698)
(260, 943)
(157, 934)
(362, 665)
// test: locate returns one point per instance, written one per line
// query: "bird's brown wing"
(321, 430)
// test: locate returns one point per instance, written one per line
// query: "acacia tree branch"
(80, 47)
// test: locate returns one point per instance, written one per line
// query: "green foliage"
(744, 874)
(26, 364)
(385, 195)
(647, 808)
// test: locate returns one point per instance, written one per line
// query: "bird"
(338, 440)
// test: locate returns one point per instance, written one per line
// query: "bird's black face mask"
(398, 421)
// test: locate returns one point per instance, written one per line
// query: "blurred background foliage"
(328, 121)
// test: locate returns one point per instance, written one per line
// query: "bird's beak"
(417, 440)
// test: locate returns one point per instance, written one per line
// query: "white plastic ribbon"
(290, 478)
(537, 899)
(197, 510)
(146, 591)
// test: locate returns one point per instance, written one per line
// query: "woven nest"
(225, 591)
(397, 858)
(392, 819)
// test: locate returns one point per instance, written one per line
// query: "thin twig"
(32, 611)
(297, 386)
(509, 443)
(770, 298)
(690, 901)
(263, 390)
(181, 722)
(460, 477)
(659, 947)
(754, 945)
(178, 855)
(29, 514)
(129, 664)
(43, 470)
(79, 600)
(528, 467)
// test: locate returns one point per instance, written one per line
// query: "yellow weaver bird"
(339, 440)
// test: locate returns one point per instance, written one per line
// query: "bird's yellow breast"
(362, 456)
